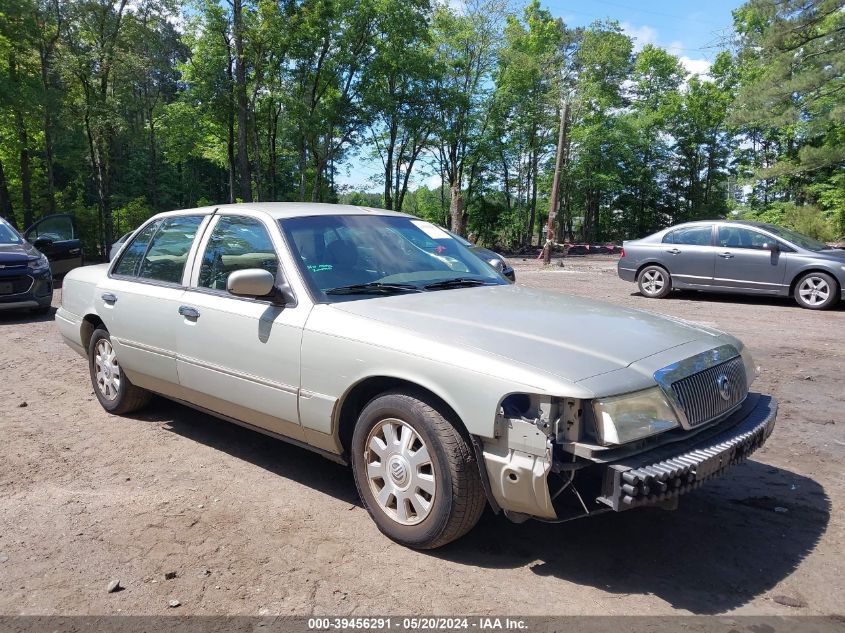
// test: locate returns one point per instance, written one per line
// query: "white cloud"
(699, 67)
(642, 35)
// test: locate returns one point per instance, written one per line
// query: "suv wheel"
(111, 386)
(816, 291)
(415, 473)
(654, 282)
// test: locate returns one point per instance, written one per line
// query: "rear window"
(693, 235)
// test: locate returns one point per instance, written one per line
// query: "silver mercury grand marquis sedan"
(353, 332)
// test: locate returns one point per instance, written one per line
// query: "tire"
(654, 282)
(816, 291)
(113, 389)
(423, 505)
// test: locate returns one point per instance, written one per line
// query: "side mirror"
(257, 282)
(42, 242)
(251, 282)
(773, 247)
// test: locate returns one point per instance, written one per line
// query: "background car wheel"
(111, 386)
(654, 282)
(415, 472)
(816, 291)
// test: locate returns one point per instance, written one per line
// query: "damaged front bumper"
(527, 476)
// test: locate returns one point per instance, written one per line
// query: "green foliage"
(114, 111)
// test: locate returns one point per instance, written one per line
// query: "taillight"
(622, 254)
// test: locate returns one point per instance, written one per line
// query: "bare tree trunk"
(456, 208)
(23, 144)
(553, 198)
(240, 88)
(5, 199)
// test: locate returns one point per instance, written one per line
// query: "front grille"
(19, 285)
(702, 395)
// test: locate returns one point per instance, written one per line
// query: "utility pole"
(561, 143)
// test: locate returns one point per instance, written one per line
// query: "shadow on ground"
(730, 541)
(723, 297)
(17, 317)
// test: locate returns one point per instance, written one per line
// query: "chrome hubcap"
(653, 282)
(814, 290)
(106, 369)
(399, 471)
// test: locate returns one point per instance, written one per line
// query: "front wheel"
(113, 389)
(816, 291)
(654, 282)
(415, 472)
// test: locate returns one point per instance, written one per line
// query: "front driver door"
(240, 356)
(56, 237)
(744, 260)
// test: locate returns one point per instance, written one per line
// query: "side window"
(128, 264)
(168, 252)
(669, 237)
(58, 229)
(735, 237)
(694, 235)
(236, 243)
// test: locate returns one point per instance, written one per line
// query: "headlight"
(496, 263)
(39, 263)
(750, 368)
(621, 419)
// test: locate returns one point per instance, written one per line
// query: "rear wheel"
(654, 282)
(816, 291)
(415, 472)
(113, 389)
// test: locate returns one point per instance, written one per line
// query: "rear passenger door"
(139, 301)
(689, 255)
(239, 356)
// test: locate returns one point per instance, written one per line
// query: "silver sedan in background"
(738, 257)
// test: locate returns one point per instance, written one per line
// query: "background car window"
(236, 243)
(735, 237)
(58, 229)
(694, 235)
(168, 252)
(128, 264)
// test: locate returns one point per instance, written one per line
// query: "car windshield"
(345, 256)
(8, 235)
(800, 240)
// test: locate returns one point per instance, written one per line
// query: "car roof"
(282, 210)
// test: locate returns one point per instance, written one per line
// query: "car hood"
(486, 253)
(16, 254)
(573, 338)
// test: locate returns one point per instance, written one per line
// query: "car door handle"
(189, 312)
(108, 297)
(674, 251)
(725, 255)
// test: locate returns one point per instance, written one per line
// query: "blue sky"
(691, 30)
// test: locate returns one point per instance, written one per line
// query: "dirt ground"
(250, 525)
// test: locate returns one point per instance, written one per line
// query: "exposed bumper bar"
(670, 471)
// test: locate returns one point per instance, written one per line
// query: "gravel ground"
(178, 506)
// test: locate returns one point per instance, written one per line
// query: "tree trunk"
(5, 199)
(456, 209)
(152, 176)
(553, 198)
(23, 143)
(240, 89)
